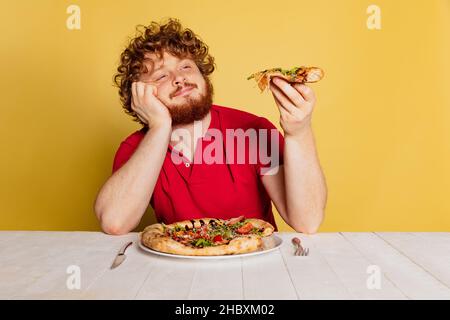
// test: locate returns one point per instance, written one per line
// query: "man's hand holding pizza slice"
(294, 99)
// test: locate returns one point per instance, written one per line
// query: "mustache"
(187, 85)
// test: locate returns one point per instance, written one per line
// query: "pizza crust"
(258, 223)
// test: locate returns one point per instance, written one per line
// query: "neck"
(201, 125)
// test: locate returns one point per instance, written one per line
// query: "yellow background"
(382, 120)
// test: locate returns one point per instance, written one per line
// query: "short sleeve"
(270, 146)
(127, 148)
(124, 153)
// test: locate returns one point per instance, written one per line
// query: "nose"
(179, 79)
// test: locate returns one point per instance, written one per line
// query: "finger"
(306, 92)
(278, 103)
(141, 118)
(308, 95)
(282, 99)
(290, 92)
(133, 95)
(284, 114)
(153, 89)
(150, 90)
(140, 89)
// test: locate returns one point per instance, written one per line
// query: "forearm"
(125, 196)
(304, 182)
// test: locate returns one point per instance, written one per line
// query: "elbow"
(309, 228)
(311, 231)
(114, 229)
(110, 225)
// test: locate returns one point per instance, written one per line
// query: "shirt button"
(187, 164)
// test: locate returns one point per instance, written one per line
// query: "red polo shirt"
(224, 189)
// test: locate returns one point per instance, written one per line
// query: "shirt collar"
(215, 123)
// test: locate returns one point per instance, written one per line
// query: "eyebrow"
(162, 67)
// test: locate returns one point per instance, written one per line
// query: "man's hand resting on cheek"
(147, 105)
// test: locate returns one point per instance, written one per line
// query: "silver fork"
(300, 251)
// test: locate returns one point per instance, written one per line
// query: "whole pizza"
(207, 236)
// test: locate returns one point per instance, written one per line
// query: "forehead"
(153, 61)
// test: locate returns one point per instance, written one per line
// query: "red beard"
(193, 109)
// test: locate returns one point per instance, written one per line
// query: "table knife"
(120, 256)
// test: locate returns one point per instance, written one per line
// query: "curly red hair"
(156, 38)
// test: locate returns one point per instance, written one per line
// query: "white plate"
(269, 244)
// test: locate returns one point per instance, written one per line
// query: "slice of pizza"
(207, 236)
(294, 75)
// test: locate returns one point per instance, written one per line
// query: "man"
(164, 84)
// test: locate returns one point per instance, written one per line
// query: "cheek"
(201, 83)
(164, 90)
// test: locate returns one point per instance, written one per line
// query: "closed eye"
(161, 77)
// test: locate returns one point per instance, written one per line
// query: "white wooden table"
(34, 264)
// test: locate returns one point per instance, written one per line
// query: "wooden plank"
(125, 281)
(92, 252)
(265, 276)
(410, 278)
(431, 252)
(169, 278)
(312, 276)
(9, 237)
(23, 262)
(440, 238)
(351, 267)
(218, 279)
(29, 245)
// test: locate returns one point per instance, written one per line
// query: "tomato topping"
(178, 234)
(246, 228)
(217, 238)
(191, 234)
